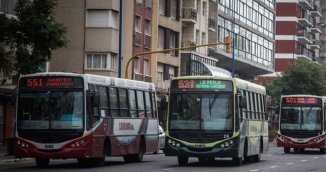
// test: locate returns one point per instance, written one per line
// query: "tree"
(7, 59)
(37, 34)
(302, 77)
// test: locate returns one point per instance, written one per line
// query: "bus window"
(93, 114)
(141, 104)
(132, 103)
(103, 100)
(114, 107)
(148, 105)
(123, 103)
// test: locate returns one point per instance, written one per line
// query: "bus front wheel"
(42, 162)
(286, 150)
(182, 160)
(237, 160)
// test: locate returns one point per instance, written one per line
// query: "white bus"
(216, 116)
(83, 116)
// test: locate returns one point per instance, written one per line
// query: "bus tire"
(256, 158)
(286, 150)
(238, 160)
(42, 162)
(182, 160)
(140, 155)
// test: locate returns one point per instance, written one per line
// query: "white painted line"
(274, 166)
(269, 155)
(255, 170)
(289, 163)
(303, 160)
(168, 169)
(316, 157)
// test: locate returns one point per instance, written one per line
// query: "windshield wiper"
(211, 104)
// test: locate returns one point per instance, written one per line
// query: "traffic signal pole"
(227, 49)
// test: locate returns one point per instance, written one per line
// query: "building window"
(139, 1)
(204, 8)
(160, 70)
(148, 3)
(8, 6)
(174, 9)
(160, 44)
(137, 30)
(173, 42)
(101, 61)
(102, 18)
(162, 7)
(171, 71)
(136, 65)
(147, 67)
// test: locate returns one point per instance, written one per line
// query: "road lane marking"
(255, 170)
(168, 169)
(289, 163)
(316, 157)
(274, 166)
(269, 155)
(303, 160)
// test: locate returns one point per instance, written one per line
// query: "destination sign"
(300, 100)
(50, 82)
(202, 84)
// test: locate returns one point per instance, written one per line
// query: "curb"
(14, 160)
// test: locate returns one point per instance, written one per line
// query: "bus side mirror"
(243, 102)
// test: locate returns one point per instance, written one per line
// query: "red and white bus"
(83, 116)
(302, 123)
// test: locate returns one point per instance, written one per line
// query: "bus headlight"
(178, 145)
(226, 144)
(169, 141)
(222, 145)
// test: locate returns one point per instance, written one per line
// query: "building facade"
(323, 34)
(298, 32)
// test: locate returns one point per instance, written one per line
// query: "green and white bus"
(216, 116)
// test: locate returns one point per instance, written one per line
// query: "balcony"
(315, 44)
(189, 15)
(306, 4)
(212, 24)
(316, 12)
(315, 28)
(303, 52)
(305, 20)
(304, 37)
(141, 77)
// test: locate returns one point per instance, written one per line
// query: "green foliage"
(302, 77)
(7, 59)
(36, 34)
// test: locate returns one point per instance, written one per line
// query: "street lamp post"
(227, 43)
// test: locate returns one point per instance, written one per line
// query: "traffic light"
(227, 42)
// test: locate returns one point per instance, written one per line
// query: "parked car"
(161, 138)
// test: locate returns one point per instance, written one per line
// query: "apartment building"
(298, 32)
(323, 34)
(250, 22)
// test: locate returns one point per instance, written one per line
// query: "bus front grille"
(300, 134)
(50, 137)
(198, 137)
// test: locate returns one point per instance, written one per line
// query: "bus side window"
(104, 106)
(148, 105)
(154, 105)
(92, 106)
(141, 104)
(114, 106)
(132, 103)
(123, 102)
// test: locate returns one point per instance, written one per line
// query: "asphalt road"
(273, 161)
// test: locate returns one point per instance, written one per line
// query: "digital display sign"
(51, 82)
(300, 100)
(202, 84)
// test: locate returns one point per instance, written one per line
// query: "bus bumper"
(231, 151)
(317, 142)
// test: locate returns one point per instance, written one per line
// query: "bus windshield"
(301, 118)
(50, 110)
(201, 111)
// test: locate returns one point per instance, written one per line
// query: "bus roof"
(102, 80)
(239, 83)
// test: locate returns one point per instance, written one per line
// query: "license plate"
(48, 146)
